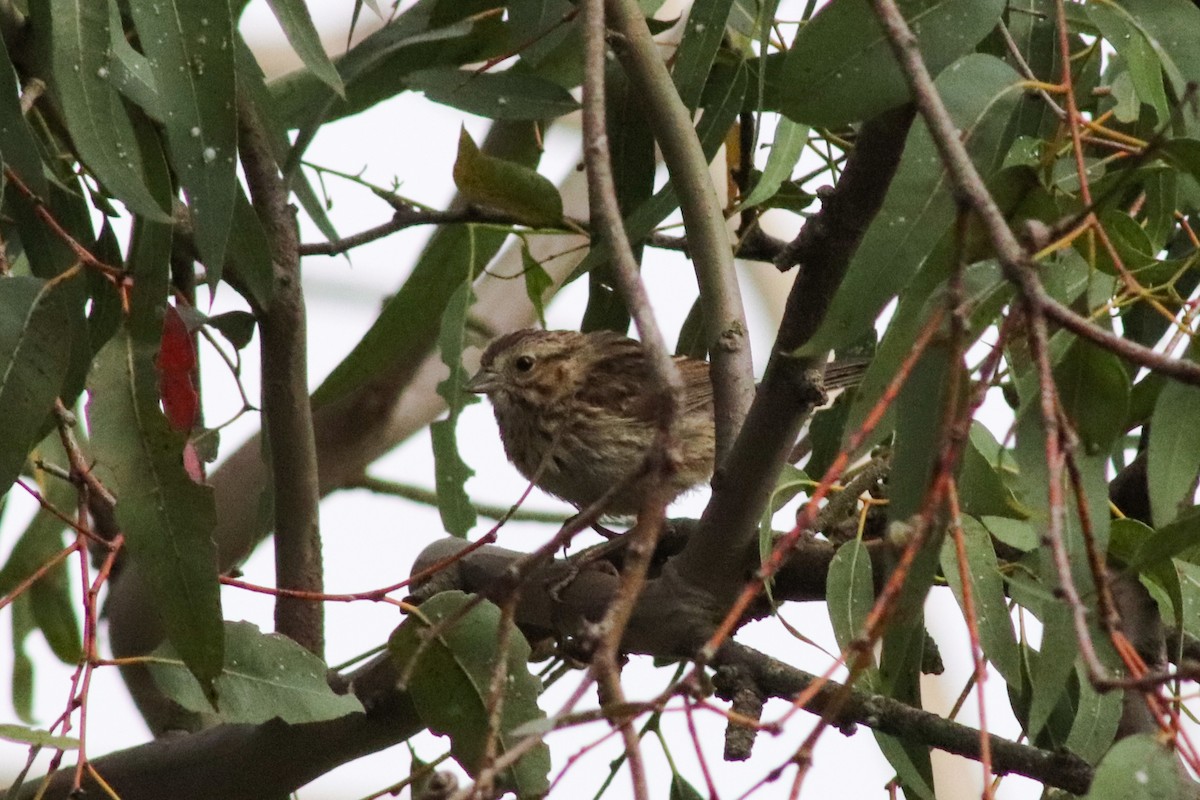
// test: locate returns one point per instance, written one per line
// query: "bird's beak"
(484, 381)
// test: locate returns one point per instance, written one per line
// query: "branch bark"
(286, 406)
(722, 553)
(711, 250)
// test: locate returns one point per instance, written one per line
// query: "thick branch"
(566, 612)
(252, 762)
(286, 406)
(1057, 768)
(722, 552)
(725, 319)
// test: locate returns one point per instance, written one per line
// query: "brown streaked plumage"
(577, 407)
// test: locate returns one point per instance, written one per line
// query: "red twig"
(972, 619)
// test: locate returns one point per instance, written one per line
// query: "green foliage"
(265, 676)
(447, 657)
(137, 111)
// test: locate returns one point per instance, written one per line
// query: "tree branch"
(1058, 768)
(252, 762)
(722, 553)
(725, 319)
(288, 412)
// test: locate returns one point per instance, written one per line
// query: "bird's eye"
(523, 363)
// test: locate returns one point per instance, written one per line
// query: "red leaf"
(176, 360)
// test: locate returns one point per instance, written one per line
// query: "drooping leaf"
(264, 676)
(849, 591)
(702, 37)
(506, 186)
(20, 150)
(448, 677)
(34, 359)
(166, 518)
(980, 93)
(841, 69)
(91, 107)
(1123, 33)
(297, 24)
(450, 471)
(1173, 460)
(1096, 719)
(190, 45)
(537, 283)
(996, 635)
(1093, 387)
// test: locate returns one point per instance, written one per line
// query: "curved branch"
(725, 319)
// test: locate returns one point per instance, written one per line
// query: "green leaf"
(22, 669)
(48, 602)
(723, 103)
(1177, 536)
(702, 35)
(166, 518)
(298, 26)
(840, 68)
(1096, 720)
(1093, 388)
(1013, 532)
(250, 266)
(537, 283)
(90, 104)
(506, 186)
(1053, 666)
(912, 765)
(34, 736)
(1122, 31)
(510, 94)
(34, 360)
(265, 676)
(448, 677)
(980, 92)
(20, 150)
(849, 591)
(377, 68)
(982, 491)
(450, 471)
(1168, 26)
(996, 635)
(1173, 459)
(788, 484)
(190, 44)
(236, 326)
(1140, 767)
(682, 790)
(790, 138)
